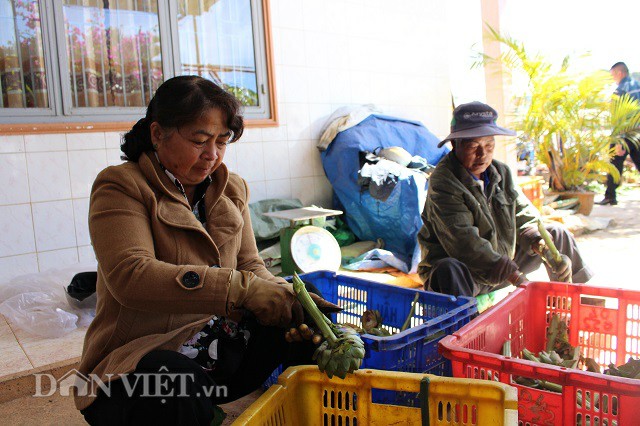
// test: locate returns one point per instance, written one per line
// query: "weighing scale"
(304, 247)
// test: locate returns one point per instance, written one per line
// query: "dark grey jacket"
(479, 230)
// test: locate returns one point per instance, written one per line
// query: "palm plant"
(625, 121)
(570, 117)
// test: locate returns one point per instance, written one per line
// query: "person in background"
(187, 314)
(626, 85)
(479, 231)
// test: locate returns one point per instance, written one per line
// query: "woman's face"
(194, 151)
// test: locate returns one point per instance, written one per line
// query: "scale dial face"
(315, 249)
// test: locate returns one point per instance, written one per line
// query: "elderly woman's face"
(194, 151)
(476, 154)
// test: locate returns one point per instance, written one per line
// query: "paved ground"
(612, 253)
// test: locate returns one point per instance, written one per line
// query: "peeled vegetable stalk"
(342, 350)
(407, 321)
(549, 242)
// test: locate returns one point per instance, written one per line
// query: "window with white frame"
(102, 60)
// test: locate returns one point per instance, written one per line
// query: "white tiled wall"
(44, 200)
(328, 54)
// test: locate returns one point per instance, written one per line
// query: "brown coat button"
(191, 279)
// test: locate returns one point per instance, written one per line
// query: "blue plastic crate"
(413, 350)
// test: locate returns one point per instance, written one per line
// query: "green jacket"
(479, 230)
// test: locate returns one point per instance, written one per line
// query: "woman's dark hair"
(177, 102)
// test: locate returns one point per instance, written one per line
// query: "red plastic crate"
(604, 322)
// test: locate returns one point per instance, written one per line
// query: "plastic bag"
(37, 303)
(271, 255)
(342, 233)
(397, 220)
(81, 295)
(265, 227)
(374, 259)
(38, 313)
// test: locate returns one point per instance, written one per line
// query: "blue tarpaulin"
(397, 219)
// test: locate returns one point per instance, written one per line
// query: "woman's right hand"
(273, 304)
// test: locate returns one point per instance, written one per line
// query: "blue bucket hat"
(475, 120)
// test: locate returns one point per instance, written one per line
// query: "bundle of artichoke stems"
(342, 350)
(561, 353)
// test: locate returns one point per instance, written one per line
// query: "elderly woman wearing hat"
(187, 314)
(479, 231)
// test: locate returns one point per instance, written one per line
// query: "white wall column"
(498, 80)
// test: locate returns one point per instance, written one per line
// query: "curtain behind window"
(216, 42)
(22, 73)
(114, 51)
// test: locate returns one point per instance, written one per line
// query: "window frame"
(40, 113)
(118, 113)
(61, 117)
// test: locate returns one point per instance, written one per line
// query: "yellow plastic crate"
(306, 396)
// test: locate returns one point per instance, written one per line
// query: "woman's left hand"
(301, 333)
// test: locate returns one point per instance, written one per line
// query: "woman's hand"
(273, 304)
(301, 333)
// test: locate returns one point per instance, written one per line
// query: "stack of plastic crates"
(306, 396)
(435, 315)
(604, 322)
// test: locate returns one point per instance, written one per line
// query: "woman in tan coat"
(188, 316)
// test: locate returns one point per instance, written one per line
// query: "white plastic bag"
(37, 303)
(38, 313)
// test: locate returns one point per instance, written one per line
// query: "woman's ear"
(157, 134)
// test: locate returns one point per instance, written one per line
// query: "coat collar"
(173, 208)
(158, 179)
(151, 169)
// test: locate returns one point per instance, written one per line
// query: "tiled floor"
(14, 359)
(22, 352)
(43, 351)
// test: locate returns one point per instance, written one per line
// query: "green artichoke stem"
(548, 241)
(411, 311)
(310, 306)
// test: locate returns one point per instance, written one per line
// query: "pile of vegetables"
(561, 353)
(630, 370)
(372, 322)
